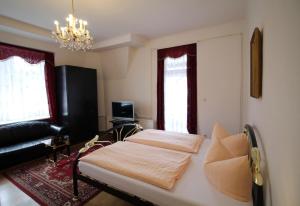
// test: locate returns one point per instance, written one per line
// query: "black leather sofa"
(23, 141)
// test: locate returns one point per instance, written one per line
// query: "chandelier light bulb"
(56, 26)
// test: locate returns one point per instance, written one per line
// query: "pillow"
(217, 151)
(226, 164)
(238, 144)
(231, 177)
(219, 132)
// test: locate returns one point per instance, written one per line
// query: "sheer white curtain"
(175, 94)
(23, 94)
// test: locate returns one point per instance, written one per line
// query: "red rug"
(50, 184)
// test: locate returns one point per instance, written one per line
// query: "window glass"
(23, 94)
(175, 94)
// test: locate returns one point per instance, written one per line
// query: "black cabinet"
(77, 101)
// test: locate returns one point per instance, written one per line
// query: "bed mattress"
(193, 189)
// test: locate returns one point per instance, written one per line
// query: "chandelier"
(75, 35)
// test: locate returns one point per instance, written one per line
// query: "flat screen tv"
(123, 110)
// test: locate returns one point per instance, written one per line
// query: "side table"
(56, 144)
(125, 129)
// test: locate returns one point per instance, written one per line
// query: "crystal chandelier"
(72, 36)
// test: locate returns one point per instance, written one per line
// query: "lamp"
(71, 36)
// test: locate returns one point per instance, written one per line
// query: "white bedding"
(192, 189)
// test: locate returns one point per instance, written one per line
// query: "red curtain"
(160, 119)
(34, 56)
(175, 52)
(30, 55)
(51, 85)
(192, 89)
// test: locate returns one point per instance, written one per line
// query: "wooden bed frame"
(254, 156)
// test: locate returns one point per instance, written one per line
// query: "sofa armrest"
(58, 130)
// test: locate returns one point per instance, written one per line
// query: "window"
(27, 84)
(23, 94)
(175, 87)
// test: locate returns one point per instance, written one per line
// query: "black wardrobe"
(77, 101)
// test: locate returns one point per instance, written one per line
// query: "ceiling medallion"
(75, 35)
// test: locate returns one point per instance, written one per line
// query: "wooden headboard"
(254, 156)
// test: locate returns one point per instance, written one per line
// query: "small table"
(56, 144)
(125, 130)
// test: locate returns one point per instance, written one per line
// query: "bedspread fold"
(156, 166)
(169, 140)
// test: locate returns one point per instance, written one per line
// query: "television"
(123, 110)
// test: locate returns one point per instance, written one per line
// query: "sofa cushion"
(21, 146)
(23, 131)
(13, 155)
(39, 129)
(5, 136)
(23, 141)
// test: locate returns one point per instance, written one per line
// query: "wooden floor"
(10, 195)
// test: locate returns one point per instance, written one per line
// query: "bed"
(192, 189)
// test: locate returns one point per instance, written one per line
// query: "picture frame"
(256, 64)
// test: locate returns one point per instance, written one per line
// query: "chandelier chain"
(73, 7)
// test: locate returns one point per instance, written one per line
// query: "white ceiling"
(111, 18)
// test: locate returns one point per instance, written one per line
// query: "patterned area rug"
(50, 184)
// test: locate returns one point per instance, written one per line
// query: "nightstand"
(56, 144)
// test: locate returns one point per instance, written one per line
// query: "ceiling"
(110, 18)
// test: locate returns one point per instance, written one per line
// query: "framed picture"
(256, 64)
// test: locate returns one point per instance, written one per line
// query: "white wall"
(276, 115)
(63, 57)
(219, 83)
(127, 76)
(219, 53)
